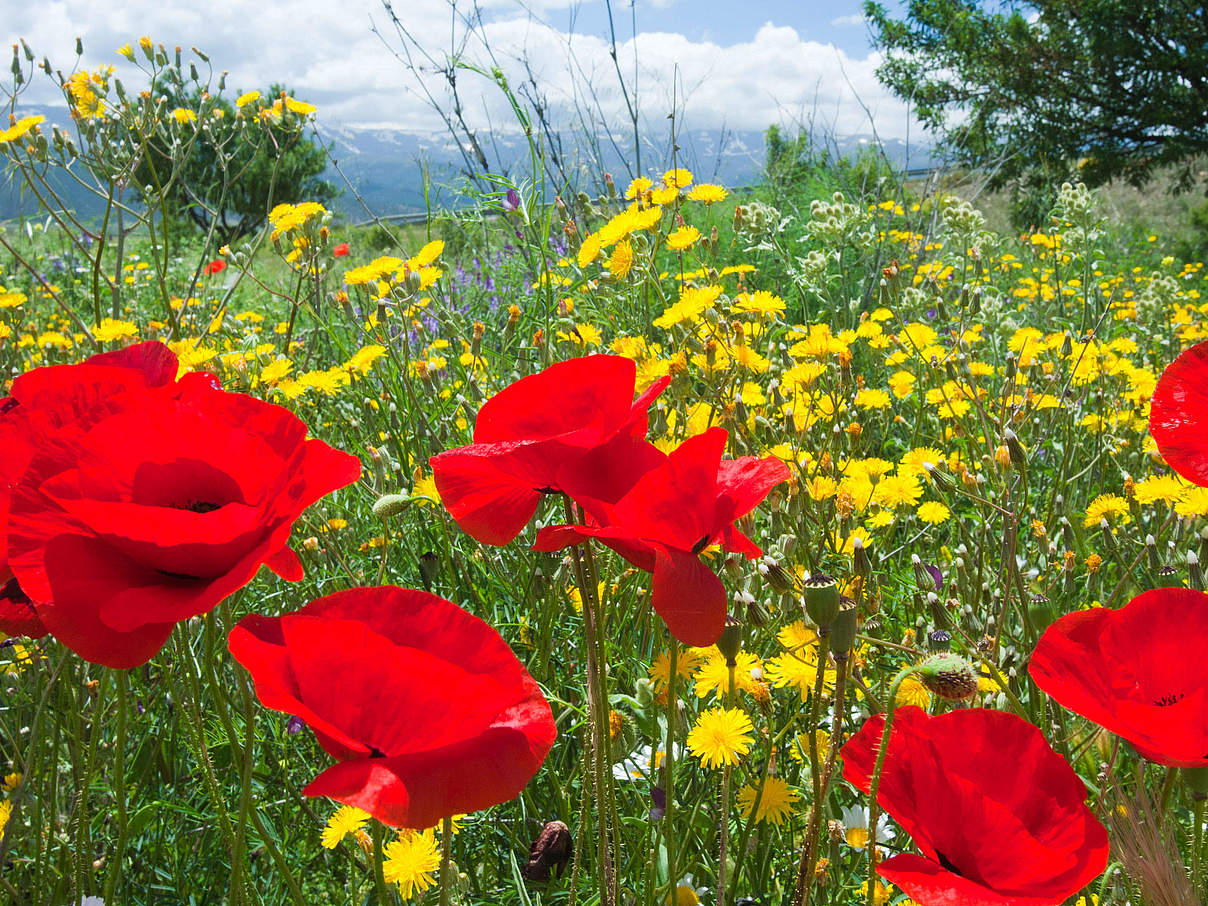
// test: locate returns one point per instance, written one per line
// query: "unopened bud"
(390, 505)
(730, 641)
(949, 676)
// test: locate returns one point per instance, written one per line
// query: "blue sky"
(742, 65)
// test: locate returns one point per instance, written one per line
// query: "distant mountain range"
(387, 167)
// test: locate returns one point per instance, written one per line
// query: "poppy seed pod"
(821, 599)
(949, 676)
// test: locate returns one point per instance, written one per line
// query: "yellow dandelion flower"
(708, 193)
(111, 329)
(912, 692)
(872, 398)
(346, 820)
(686, 661)
(411, 862)
(682, 238)
(775, 802)
(678, 178)
(720, 736)
(248, 97)
(714, 676)
(932, 512)
(640, 186)
(1164, 488)
(621, 260)
(1111, 507)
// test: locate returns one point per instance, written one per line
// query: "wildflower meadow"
(671, 543)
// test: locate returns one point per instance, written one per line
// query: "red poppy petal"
(675, 503)
(419, 790)
(79, 570)
(1178, 415)
(557, 537)
(1000, 808)
(1127, 671)
(285, 563)
(688, 596)
(588, 397)
(450, 717)
(155, 361)
(488, 503)
(927, 882)
(742, 484)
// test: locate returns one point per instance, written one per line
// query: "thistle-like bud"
(390, 505)
(821, 599)
(1195, 575)
(949, 676)
(843, 630)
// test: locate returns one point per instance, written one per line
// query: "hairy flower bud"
(949, 676)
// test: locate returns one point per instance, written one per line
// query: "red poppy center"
(1172, 698)
(947, 863)
(184, 484)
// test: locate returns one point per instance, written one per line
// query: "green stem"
(805, 868)
(377, 832)
(890, 704)
(814, 832)
(119, 785)
(669, 763)
(446, 853)
(597, 703)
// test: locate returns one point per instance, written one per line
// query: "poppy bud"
(843, 631)
(949, 676)
(821, 599)
(730, 641)
(390, 505)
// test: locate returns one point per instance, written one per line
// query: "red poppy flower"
(1178, 415)
(340, 250)
(424, 706)
(56, 402)
(137, 501)
(999, 818)
(1128, 670)
(574, 427)
(669, 516)
(217, 266)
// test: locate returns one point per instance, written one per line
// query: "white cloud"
(328, 54)
(848, 21)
